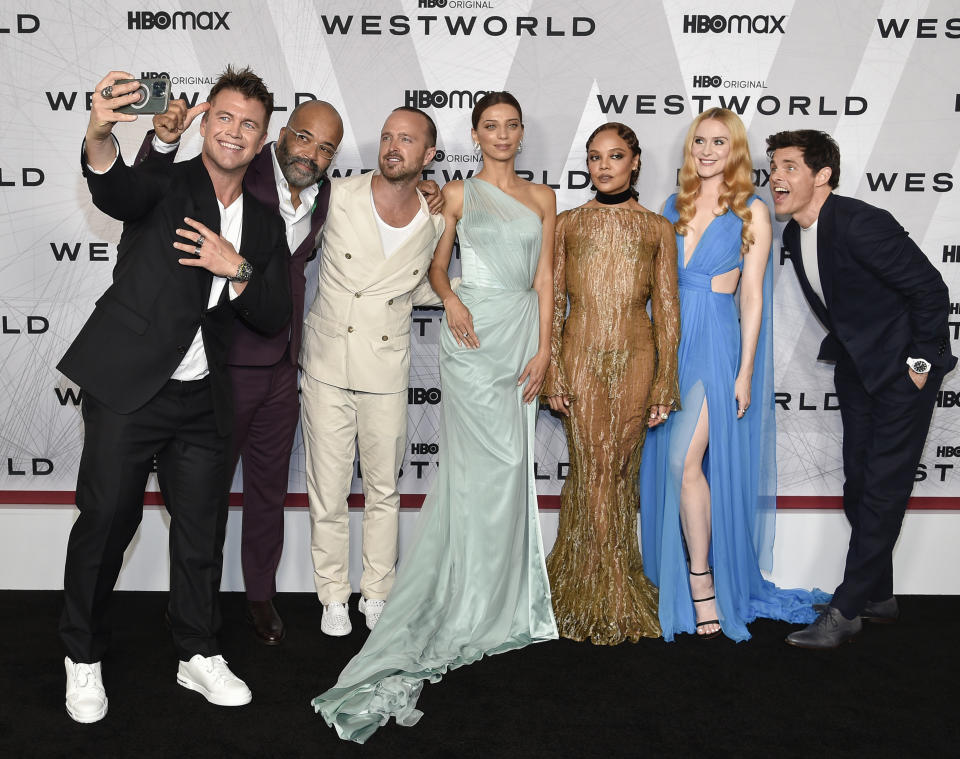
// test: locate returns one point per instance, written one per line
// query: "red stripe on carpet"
(415, 500)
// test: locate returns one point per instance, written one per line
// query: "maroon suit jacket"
(251, 348)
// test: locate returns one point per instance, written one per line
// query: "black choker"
(612, 200)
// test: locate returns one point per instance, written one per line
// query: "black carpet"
(890, 693)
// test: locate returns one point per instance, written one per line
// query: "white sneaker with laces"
(335, 620)
(211, 678)
(372, 609)
(86, 697)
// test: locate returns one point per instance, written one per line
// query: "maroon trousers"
(266, 409)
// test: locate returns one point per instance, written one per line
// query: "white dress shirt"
(295, 220)
(194, 364)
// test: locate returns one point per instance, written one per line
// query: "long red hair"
(737, 176)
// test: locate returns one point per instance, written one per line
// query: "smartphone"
(154, 96)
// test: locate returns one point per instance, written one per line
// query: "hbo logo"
(417, 396)
(705, 80)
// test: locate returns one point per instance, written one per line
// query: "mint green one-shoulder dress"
(474, 581)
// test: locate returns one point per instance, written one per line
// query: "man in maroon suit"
(289, 177)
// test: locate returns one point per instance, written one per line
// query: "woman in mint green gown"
(473, 582)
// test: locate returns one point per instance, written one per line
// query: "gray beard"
(297, 180)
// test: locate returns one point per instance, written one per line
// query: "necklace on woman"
(617, 197)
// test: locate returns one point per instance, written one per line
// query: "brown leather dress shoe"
(267, 624)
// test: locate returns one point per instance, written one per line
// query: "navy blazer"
(884, 300)
(144, 323)
(251, 348)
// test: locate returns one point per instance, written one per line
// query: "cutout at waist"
(691, 280)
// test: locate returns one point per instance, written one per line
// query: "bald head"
(315, 109)
(308, 142)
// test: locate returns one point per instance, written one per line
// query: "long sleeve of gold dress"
(616, 363)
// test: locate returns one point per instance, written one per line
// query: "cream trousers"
(335, 422)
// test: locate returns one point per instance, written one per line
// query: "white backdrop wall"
(879, 76)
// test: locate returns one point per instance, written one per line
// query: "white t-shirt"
(391, 238)
(808, 254)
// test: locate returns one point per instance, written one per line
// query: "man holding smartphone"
(289, 177)
(195, 253)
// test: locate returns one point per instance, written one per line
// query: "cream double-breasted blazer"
(357, 333)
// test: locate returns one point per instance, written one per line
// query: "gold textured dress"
(615, 363)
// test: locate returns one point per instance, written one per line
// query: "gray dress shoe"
(879, 612)
(829, 630)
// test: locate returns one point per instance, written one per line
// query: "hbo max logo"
(204, 20)
(737, 24)
(441, 98)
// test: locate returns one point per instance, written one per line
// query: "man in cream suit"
(377, 244)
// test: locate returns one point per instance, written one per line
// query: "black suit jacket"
(145, 321)
(250, 348)
(884, 300)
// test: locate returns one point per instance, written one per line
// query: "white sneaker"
(372, 609)
(336, 620)
(211, 678)
(86, 697)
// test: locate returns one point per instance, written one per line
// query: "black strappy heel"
(706, 636)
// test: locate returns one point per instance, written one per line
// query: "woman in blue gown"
(708, 476)
(474, 580)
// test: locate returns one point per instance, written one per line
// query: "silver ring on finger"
(107, 92)
(466, 334)
(664, 415)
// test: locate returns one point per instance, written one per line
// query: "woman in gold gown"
(612, 375)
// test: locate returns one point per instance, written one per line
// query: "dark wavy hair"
(247, 84)
(626, 134)
(493, 98)
(819, 149)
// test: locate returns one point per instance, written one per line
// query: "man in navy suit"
(885, 308)
(289, 177)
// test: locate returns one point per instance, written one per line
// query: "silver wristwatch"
(919, 365)
(244, 272)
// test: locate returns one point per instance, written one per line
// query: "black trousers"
(194, 470)
(883, 437)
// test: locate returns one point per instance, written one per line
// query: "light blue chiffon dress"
(740, 463)
(474, 581)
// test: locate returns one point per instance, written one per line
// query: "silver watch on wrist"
(919, 365)
(244, 272)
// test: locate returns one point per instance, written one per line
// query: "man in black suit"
(151, 361)
(885, 309)
(289, 177)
